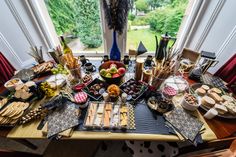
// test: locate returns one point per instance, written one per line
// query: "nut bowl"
(112, 72)
(189, 104)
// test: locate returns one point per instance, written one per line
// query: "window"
(148, 18)
(129, 39)
(79, 22)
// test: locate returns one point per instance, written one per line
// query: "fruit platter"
(134, 89)
(112, 71)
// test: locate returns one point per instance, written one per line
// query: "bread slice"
(216, 90)
(221, 109)
(208, 101)
(216, 97)
(205, 87)
(227, 98)
(200, 91)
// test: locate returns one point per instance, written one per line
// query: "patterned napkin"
(187, 125)
(62, 119)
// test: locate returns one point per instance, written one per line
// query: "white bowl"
(12, 87)
(189, 107)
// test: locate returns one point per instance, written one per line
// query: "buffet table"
(216, 130)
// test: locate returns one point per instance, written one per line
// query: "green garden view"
(79, 21)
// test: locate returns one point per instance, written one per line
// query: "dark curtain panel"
(228, 72)
(6, 69)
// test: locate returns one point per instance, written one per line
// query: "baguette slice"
(208, 101)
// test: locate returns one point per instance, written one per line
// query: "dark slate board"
(147, 122)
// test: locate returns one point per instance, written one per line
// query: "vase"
(115, 52)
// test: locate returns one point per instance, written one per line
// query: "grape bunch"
(47, 89)
(60, 70)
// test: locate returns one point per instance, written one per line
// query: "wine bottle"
(66, 48)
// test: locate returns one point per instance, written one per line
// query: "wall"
(216, 31)
(18, 33)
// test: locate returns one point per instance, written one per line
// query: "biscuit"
(215, 96)
(200, 91)
(220, 108)
(216, 90)
(208, 101)
(205, 87)
(18, 116)
(227, 98)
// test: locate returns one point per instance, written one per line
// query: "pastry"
(42, 68)
(200, 91)
(227, 98)
(23, 91)
(215, 96)
(216, 90)
(220, 108)
(231, 106)
(113, 90)
(205, 87)
(208, 101)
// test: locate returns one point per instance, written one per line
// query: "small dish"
(190, 102)
(158, 103)
(133, 89)
(95, 89)
(11, 84)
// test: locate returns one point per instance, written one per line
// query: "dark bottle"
(161, 49)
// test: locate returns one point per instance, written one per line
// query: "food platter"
(134, 89)
(12, 112)
(226, 115)
(95, 89)
(158, 103)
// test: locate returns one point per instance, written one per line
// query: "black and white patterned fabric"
(153, 149)
(184, 123)
(62, 119)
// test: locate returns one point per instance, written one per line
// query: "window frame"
(41, 16)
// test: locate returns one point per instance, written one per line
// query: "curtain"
(6, 69)
(228, 72)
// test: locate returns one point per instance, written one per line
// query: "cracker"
(15, 113)
(7, 111)
(18, 116)
(13, 121)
